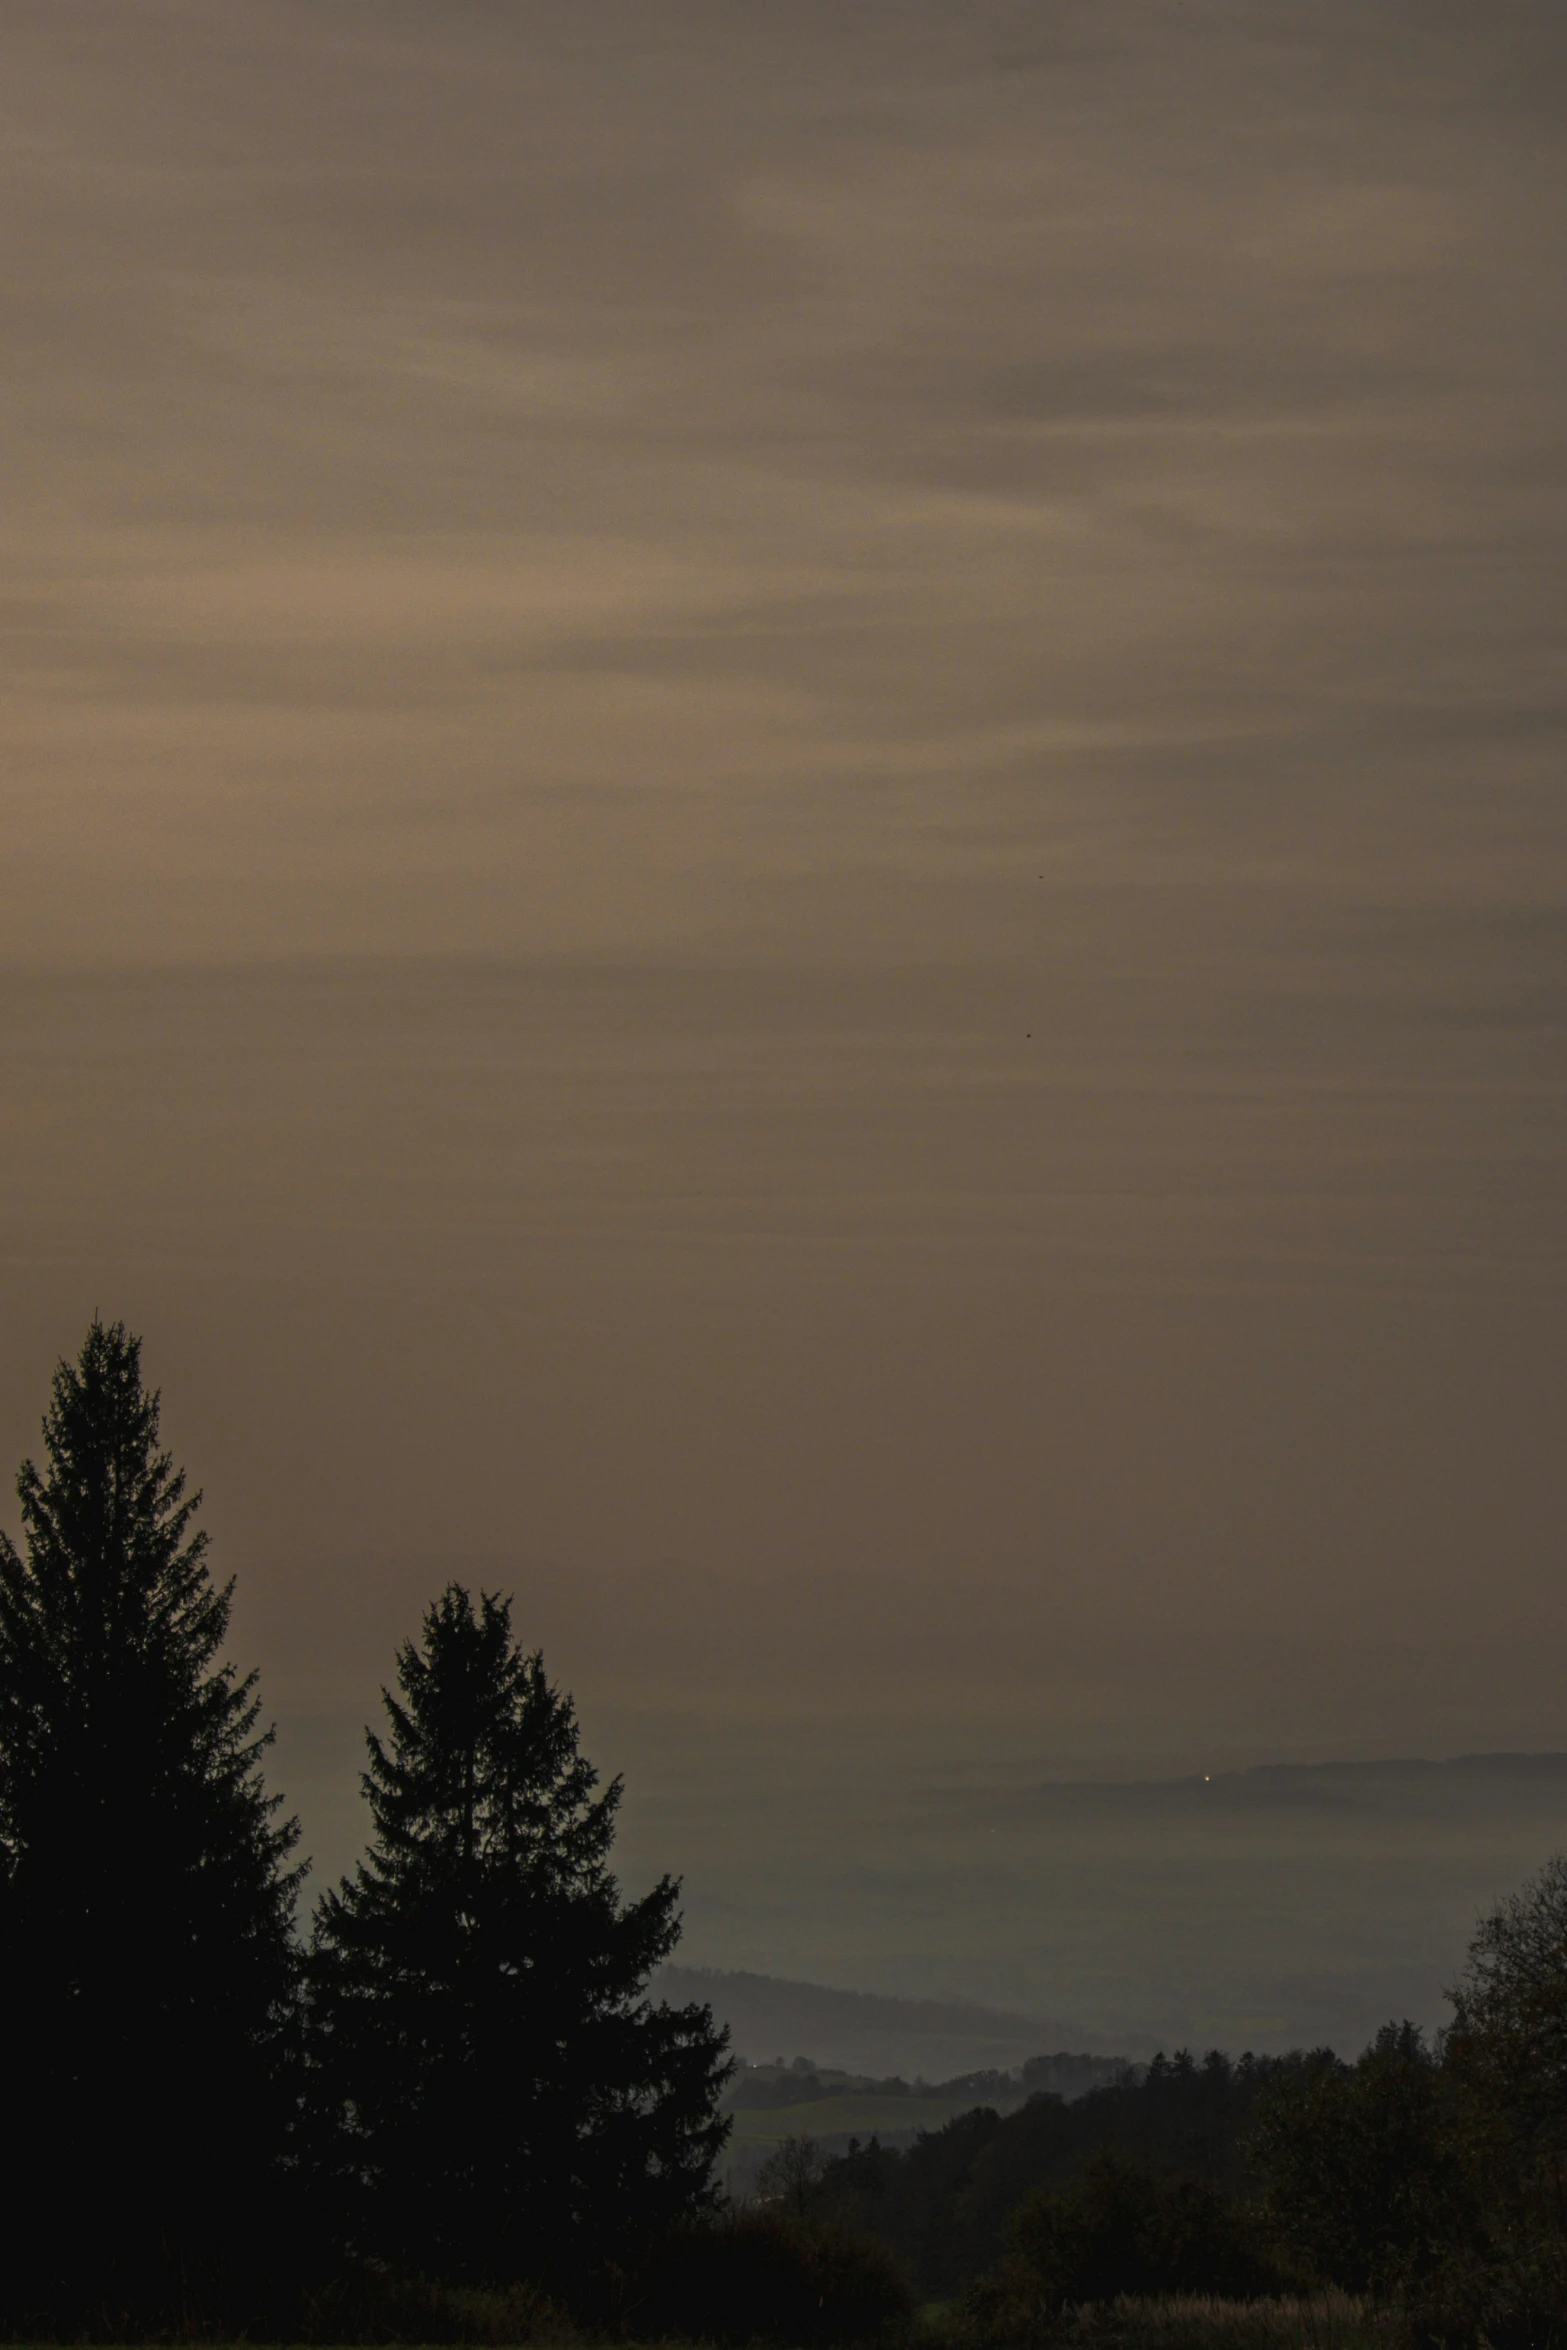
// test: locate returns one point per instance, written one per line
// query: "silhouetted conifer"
(149, 1965)
(504, 2101)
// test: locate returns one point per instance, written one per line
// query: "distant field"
(856, 2115)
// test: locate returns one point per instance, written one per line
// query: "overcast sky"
(785, 854)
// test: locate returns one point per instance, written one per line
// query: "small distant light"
(1207, 1779)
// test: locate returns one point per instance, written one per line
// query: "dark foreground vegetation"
(452, 2111)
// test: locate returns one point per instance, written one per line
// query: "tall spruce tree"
(504, 2100)
(146, 1901)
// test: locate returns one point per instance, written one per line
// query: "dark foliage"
(791, 2176)
(493, 2095)
(1118, 2229)
(913, 2199)
(371, 2303)
(1507, 2048)
(1366, 2164)
(759, 2276)
(943, 2205)
(1501, 2278)
(145, 1900)
(1288, 2322)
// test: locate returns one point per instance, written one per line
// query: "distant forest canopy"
(945, 2202)
(778, 2087)
(460, 2108)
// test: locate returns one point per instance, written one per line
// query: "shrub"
(1117, 2231)
(375, 2304)
(759, 2276)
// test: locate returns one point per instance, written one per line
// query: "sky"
(785, 859)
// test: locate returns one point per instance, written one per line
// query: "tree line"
(456, 2073)
(451, 2078)
(1428, 2178)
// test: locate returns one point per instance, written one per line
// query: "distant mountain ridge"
(870, 2032)
(1443, 1788)
(1292, 1904)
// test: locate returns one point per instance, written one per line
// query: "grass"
(1330, 2321)
(1326, 2321)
